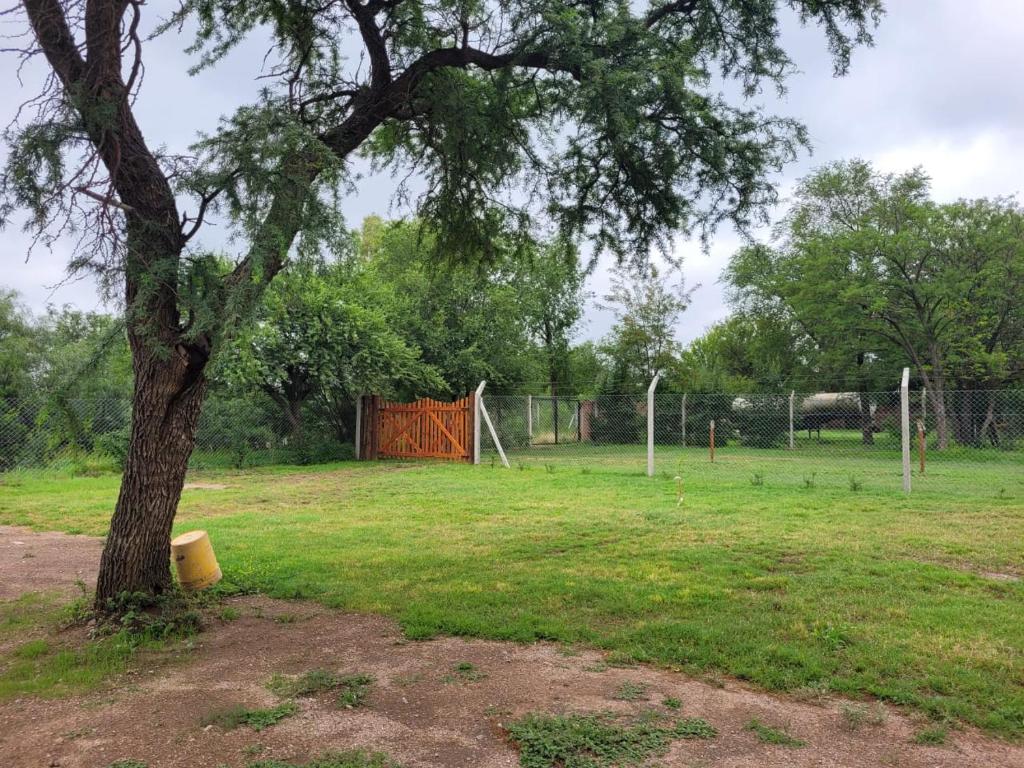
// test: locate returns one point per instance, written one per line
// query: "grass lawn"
(818, 587)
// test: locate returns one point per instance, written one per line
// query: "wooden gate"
(425, 429)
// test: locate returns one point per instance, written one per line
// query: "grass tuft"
(933, 736)
(355, 758)
(770, 735)
(631, 691)
(257, 719)
(309, 683)
(354, 690)
(464, 672)
(597, 741)
(856, 716)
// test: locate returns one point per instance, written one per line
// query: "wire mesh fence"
(851, 439)
(817, 438)
(90, 435)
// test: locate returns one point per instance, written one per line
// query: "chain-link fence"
(851, 439)
(809, 439)
(85, 436)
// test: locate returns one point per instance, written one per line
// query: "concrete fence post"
(476, 421)
(905, 427)
(792, 395)
(650, 424)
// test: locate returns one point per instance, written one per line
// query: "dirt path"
(420, 710)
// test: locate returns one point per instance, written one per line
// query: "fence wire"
(835, 439)
(826, 438)
(85, 436)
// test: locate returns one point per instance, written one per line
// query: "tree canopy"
(876, 275)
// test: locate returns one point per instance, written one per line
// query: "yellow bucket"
(197, 565)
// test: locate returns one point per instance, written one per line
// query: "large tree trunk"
(165, 415)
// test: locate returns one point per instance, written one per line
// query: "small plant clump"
(934, 736)
(128, 764)
(757, 479)
(855, 484)
(257, 719)
(465, 672)
(353, 690)
(598, 741)
(356, 758)
(307, 684)
(631, 691)
(856, 716)
(770, 735)
(672, 702)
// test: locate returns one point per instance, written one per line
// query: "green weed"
(347, 759)
(257, 719)
(770, 735)
(597, 741)
(934, 736)
(353, 690)
(630, 691)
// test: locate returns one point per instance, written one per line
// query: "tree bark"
(165, 414)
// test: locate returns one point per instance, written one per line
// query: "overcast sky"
(940, 89)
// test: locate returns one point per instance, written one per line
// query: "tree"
(318, 335)
(469, 320)
(604, 111)
(551, 283)
(643, 340)
(747, 353)
(868, 265)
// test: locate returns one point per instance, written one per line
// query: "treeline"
(381, 313)
(864, 275)
(867, 274)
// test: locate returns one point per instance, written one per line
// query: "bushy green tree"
(878, 275)
(319, 335)
(470, 321)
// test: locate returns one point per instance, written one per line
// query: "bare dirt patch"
(45, 562)
(204, 487)
(422, 708)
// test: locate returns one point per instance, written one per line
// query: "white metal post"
(905, 426)
(682, 420)
(792, 394)
(476, 421)
(650, 424)
(529, 419)
(359, 424)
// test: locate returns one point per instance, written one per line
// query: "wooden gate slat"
(426, 428)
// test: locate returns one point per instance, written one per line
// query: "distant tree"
(747, 353)
(647, 307)
(604, 110)
(469, 321)
(551, 283)
(19, 347)
(318, 336)
(868, 265)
